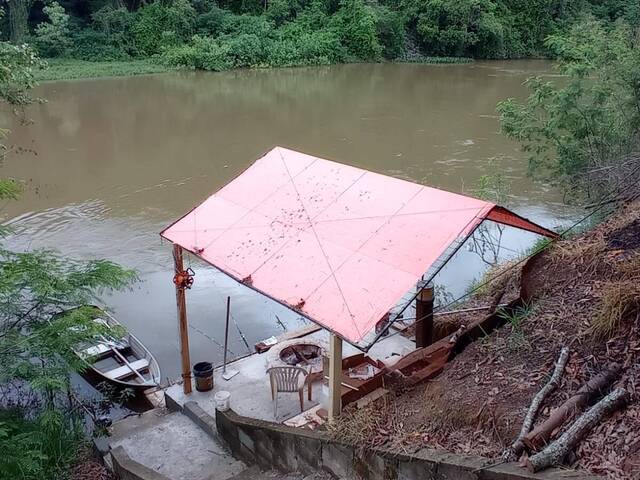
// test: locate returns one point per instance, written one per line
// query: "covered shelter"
(337, 244)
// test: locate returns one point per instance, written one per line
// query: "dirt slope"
(585, 295)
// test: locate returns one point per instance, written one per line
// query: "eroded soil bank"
(585, 294)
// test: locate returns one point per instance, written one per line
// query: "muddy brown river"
(108, 163)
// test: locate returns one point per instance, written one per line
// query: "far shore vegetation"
(71, 69)
(128, 37)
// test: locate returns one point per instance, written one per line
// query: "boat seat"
(125, 371)
(99, 351)
(95, 350)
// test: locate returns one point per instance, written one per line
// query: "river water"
(108, 163)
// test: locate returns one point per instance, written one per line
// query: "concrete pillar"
(424, 316)
(335, 376)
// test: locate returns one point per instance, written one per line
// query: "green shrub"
(245, 50)
(40, 449)
(490, 37)
(355, 23)
(159, 25)
(466, 28)
(203, 53)
(320, 48)
(284, 52)
(391, 32)
(52, 38)
(215, 22)
(280, 11)
(95, 46)
(315, 16)
(250, 24)
(589, 122)
(112, 21)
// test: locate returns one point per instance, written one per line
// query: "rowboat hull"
(123, 362)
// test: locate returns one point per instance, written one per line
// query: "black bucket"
(203, 371)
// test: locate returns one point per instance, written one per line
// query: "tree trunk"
(117, 4)
(540, 435)
(18, 18)
(558, 450)
(515, 449)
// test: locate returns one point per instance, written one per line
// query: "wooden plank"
(126, 370)
(124, 360)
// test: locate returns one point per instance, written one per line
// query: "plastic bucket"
(222, 400)
(203, 371)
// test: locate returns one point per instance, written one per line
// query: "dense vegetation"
(222, 34)
(583, 130)
(40, 429)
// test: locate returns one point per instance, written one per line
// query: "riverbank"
(71, 69)
(583, 294)
(60, 69)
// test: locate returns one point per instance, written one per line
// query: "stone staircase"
(178, 448)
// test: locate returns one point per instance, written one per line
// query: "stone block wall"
(290, 449)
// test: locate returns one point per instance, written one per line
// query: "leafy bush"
(17, 66)
(322, 47)
(214, 22)
(52, 38)
(390, 31)
(245, 50)
(160, 25)
(40, 449)
(280, 11)
(95, 46)
(284, 52)
(250, 24)
(589, 122)
(203, 53)
(355, 23)
(465, 28)
(314, 17)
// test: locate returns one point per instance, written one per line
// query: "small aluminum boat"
(121, 360)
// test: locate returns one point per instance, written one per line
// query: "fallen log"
(540, 435)
(557, 450)
(512, 452)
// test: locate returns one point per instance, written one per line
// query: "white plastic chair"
(287, 379)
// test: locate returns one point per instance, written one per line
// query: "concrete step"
(254, 473)
(176, 447)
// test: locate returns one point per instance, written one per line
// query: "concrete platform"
(250, 393)
(174, 446)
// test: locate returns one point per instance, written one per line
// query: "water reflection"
(119, 159)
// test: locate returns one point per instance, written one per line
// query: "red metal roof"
(338, 244)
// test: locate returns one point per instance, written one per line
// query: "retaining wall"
(126, 468)
(290, 449)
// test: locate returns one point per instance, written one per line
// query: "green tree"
(355, 23)
(18, 19)
(579, 130)
(476, 28)
(39, 326)
(163, 23)
(53, 37)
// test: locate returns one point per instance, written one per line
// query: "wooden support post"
(424, 316)
(335, 376)
(181, 303)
